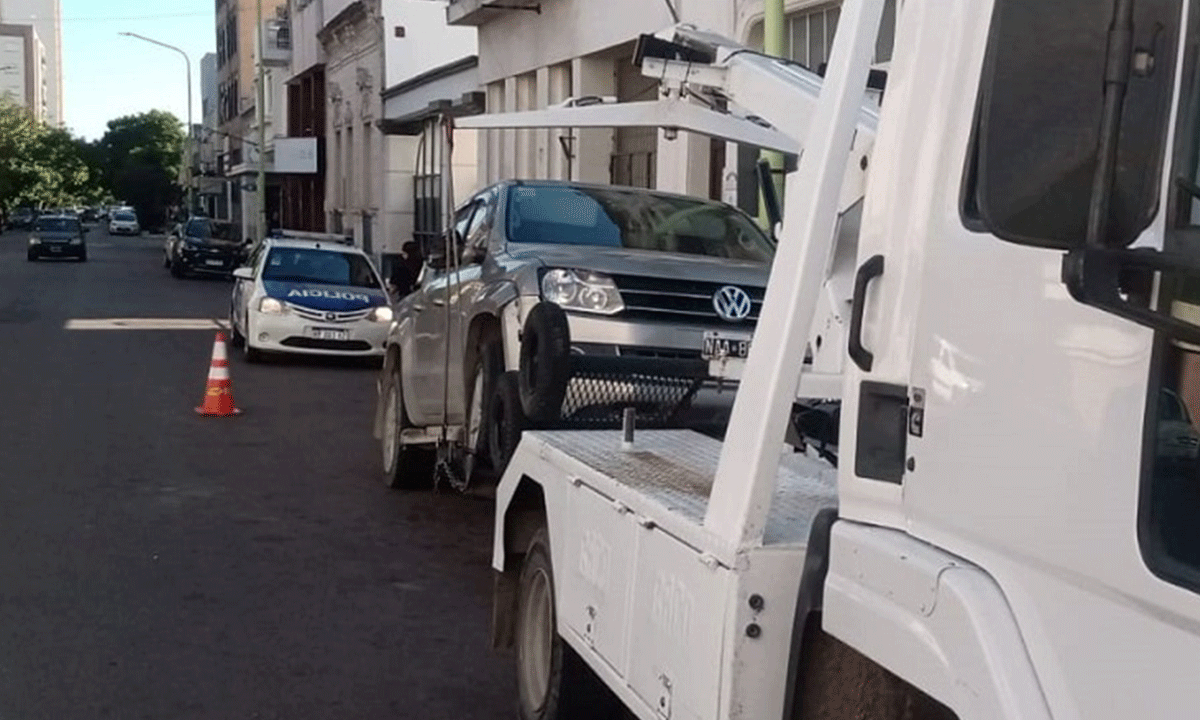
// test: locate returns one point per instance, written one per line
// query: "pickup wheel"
(404, 467)
(545, 365)
(839, 683)
(553, 683)
(507, 422)
(487, 363)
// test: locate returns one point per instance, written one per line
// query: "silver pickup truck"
(558, 304)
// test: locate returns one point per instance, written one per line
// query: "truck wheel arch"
(524, 515)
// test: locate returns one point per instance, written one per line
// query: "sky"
(106, 75)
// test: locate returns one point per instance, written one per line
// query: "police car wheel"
(250, 353)
(235, 336)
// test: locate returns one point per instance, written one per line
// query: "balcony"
(481, 12)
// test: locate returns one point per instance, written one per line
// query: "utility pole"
(774, 40)
(262, 126)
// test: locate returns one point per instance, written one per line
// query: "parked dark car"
(57, 236)
(22, 219)
(203, 246)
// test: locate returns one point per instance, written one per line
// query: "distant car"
(309, 296)
(57, 236)
(22, 219)
(203, 246)
(124, 222)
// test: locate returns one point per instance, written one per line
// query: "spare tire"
(545, 363)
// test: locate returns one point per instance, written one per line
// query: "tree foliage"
(137, 161)
(141, 156)
(40, 166)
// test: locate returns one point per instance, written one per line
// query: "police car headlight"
(381, 314)
(271, 306)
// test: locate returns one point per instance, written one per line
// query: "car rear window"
(57, 225)
(635, 220)
(320, 267)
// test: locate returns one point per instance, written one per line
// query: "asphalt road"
(155, 564)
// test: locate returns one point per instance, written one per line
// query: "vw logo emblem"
(732, 303)
(330, 316)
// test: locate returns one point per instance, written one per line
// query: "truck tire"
(404, 468)
(545, 363)
(839, 683)
(507, 422)
(553, 683)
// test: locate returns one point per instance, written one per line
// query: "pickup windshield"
(320, 267)
(633, 219)
(57, 225)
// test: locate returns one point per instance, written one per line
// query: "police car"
(317, 297)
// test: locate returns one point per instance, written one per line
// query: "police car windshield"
(124, 217)
(633, 219)
(57, 225)
(320, 267)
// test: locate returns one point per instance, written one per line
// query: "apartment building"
(45, 16)
(534, 53)
(22, 69)
(237, 35)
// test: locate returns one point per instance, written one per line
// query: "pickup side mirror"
(244, 273)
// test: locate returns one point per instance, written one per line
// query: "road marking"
(147, 324)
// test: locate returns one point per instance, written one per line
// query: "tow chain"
(447, 472)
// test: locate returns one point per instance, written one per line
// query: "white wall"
(306, 23)
(519, 42)
(428, 41)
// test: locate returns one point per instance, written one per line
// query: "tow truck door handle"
(869, 270)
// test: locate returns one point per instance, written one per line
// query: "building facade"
(302, 195)
(535, 54)
(22, 68)
(376, 52)
(45, 16)
(237, 39)
(210, 184)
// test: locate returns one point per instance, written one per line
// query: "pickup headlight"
(76, 241)
(271, 306)
(35, 240)
(381, 314)
(582, 290)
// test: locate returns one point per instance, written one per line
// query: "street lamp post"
(188, 147)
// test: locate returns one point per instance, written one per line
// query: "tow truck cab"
(1002, 534)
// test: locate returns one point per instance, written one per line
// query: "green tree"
(41, 166)
(141, 160)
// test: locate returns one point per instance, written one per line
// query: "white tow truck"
(1012, 322)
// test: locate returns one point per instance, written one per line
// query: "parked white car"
(309, 296)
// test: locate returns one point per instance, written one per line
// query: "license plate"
(55, 249)
(215, 263)
(718, 346)
(327, 334)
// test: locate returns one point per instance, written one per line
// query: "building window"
(808, 34)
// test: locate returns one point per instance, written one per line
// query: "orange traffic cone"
(218, 396)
